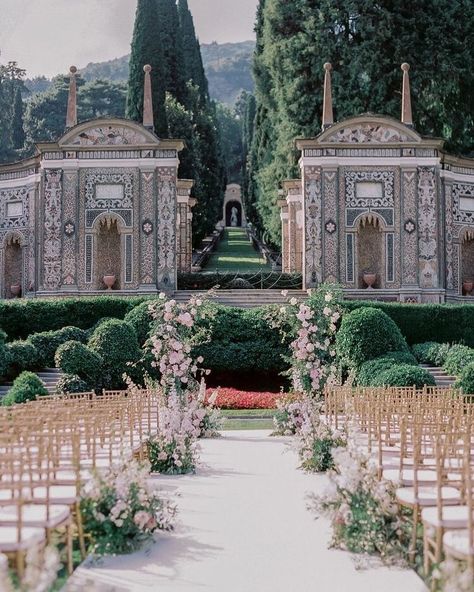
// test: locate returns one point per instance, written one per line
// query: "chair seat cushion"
(407, 476)
(36, 515)
(457, 542)
(451, 517)
(28, 538)
(428, 496)
(58, 494)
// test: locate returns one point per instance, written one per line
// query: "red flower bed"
(229, 398)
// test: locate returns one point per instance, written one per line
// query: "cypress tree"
(147, 48)
(18, 132)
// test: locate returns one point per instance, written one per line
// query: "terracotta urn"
(109, 281)
(468, 286)
(15, 290)
(370, 279)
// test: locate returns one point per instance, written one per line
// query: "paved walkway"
(235, 253)
(244, 527)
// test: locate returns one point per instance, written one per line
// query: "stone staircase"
(440, 376)
(49, 377)
(244, 298)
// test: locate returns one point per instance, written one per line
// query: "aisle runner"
(244, 527)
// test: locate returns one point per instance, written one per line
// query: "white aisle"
(243, 527)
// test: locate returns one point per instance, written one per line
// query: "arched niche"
(370, 251)
(229, 214)
(108, 251)
(13, 266)
(467, 262)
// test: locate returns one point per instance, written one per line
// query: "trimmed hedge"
(70, 383)
(365, 334)
(466, 380)
(140, 319)
(4, 354)
(370, 370)
(25, 388)
(404, 375)
(77, 359)
(23, 355)
(48, 342)
(459, 356)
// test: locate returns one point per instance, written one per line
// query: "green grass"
(251, 413)
(248, 419)
(236, 253)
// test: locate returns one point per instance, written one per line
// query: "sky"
(48, 36)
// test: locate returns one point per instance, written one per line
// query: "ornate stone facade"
(380, 199)
(101, 200)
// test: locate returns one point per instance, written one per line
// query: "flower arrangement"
(316, 441)
(312, 326)
(42, 566)
(121, 511)
(289, 415)
(229, 398)
(362, 509)
(207, 413)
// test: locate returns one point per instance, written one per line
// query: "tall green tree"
(11, 110)
(18, 132)
(147, 48)
(169, 35)
(366, 42)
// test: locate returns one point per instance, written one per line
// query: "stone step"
(49, 377)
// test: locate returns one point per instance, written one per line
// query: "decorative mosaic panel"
(70, 187)
(89, 250)
(52, 229)
(390, 257)
(109, 136)
(128, 258)
(427, 228)
(410, 239)
(350, 258)
(353, 177)
(166, 228)
(449, 237)
(367, 133)
(460, 192)
(313, 215)
(31, 260)
(331, 253)
(109, 199)
(14, 207)
(147, 255)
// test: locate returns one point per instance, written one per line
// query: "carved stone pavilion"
(379, 205)
(101, 206)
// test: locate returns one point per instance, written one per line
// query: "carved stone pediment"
(369, 130)
(108, 133)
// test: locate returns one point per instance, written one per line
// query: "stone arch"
(229, 209)
(370, 251)
(109, 229)
(13, 264)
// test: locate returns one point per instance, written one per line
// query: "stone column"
(147, 231)
(293, 191)
(312, 199)
(51, 230)
(452, 283)
(285, 243)
(70, 225)
(183, 226)
(428, 216)
(408, 232)
(331, 226)
(166, 228)
(189, 243)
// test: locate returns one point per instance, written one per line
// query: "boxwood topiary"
(140, 319)
(25, 388)
(404, 375)
(23, 356)
(76, 358)
(48, 342)
(365, 334)
(116, 342)
(369, 371)
(70, 383)
(425, 352)
(459, 356)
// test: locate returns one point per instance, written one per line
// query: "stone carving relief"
(109, 198)
(109, 136)
(166, 227)
(70, 184)
(364, 134)
(427, 227)
(331, 236)
(313, 238)
(449, 237)
(14, 208)
(148, 237)
(410, 240)
(459, 191)
(52, 229)
(386, 178)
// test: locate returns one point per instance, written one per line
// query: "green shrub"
(48, 342)
(466, 380)
(369, 371)
(91, 330)
(440, 353)
(4, 354)
(206, 281)
(76, 358)
(70, 383)
(23, 356)
(365, 334)
(424, 352)
(25, 388)
(459, 356)
(116, 343)
(140, 319)
(404, 375)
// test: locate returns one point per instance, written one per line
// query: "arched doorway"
(108, 253)
(233, 214)
(13, 273)
(370, 252)
(467, 262)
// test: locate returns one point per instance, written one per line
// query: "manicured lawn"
(236, 253)
(248, 419)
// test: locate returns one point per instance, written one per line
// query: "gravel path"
(243, 527)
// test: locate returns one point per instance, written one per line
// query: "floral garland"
(121, 511)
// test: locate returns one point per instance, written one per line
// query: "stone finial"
(71, 117)
(328, 116)
(407, 117)
(147, 100)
